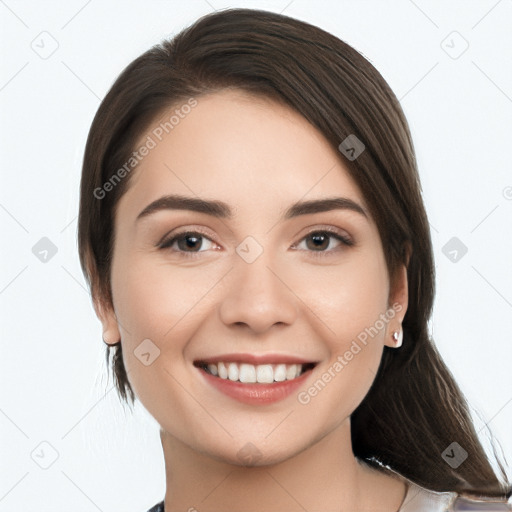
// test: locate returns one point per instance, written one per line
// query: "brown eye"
(320, 242)
(187, 242)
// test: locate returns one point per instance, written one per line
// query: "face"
(193, 286)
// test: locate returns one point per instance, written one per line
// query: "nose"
(258, 296)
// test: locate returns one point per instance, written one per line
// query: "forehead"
(243, 149)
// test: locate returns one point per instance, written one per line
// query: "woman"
(252, 228)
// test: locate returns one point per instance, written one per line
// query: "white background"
(54, 386)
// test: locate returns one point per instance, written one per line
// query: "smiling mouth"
(254, 374)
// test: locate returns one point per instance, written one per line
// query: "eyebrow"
(222, 210)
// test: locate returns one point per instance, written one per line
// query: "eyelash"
(166, 244)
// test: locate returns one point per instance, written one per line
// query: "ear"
(397, 302)
(105, 312)
(102, 305)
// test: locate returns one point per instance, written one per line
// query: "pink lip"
(255, 394)
(255, 359)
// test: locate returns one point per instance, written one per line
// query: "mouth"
(268, 373)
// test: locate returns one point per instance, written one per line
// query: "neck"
(324, 476)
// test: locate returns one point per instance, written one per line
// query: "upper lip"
(255, 359)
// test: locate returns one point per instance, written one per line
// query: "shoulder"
(159, 507)
(420, 499)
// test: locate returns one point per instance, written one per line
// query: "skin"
(259, 157)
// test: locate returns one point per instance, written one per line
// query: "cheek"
(157, 304)
(350, 298)
(151, 298)
(157, 301)
(350, 303)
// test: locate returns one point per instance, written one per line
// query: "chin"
(250, 456)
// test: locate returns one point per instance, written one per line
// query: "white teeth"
(291, 372)
(233, 371)
(249, 373)
(280, 372)
(265, 373)
(223, 371)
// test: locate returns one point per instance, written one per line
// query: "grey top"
(419, 499)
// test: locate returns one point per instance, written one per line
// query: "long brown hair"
(414, 410)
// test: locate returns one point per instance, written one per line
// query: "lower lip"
(256, 394)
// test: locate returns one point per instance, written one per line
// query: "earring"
(398, 337)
